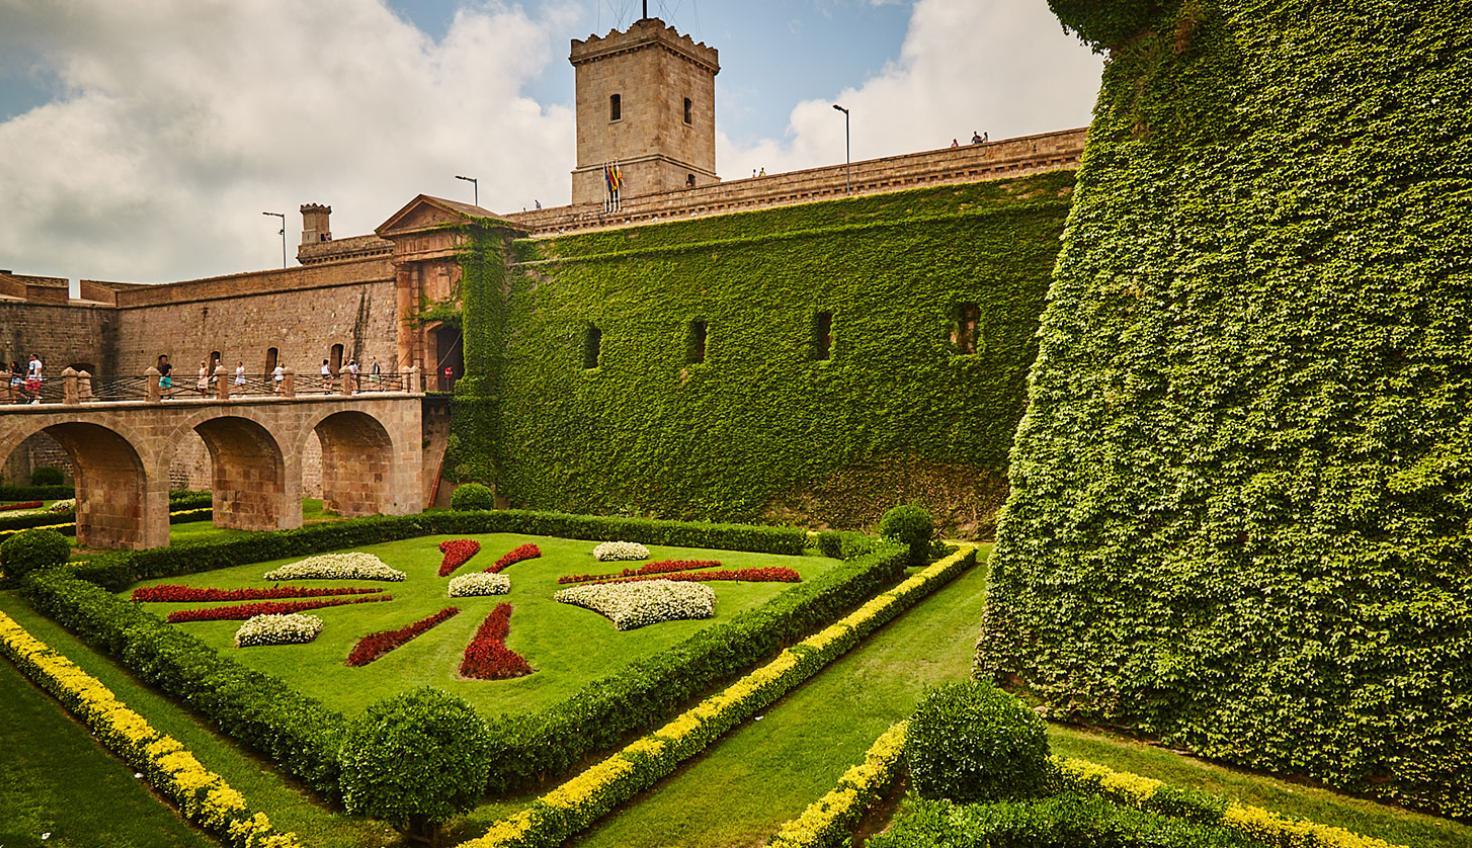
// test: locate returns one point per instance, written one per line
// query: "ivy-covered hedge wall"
(1241, 508)
(760, 429)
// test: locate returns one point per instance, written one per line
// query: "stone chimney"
(315, 224)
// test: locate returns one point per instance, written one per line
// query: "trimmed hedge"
(118, 570)
(1241, 516)
(794, 438)
(36, 493)
(973, 742)
(33, 550)
(265, 714)
(182, 499)
(299, 734)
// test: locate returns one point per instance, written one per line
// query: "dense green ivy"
(1241, 509)
(761, 428)
(1108, 23)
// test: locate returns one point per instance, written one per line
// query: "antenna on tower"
(646, 11)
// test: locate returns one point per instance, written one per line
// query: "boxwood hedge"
(1241, 516)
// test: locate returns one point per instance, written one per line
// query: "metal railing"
(79, 387)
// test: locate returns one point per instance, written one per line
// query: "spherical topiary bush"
(472, 496)
(30, 550)
(1108, 23)
(415, 760)
(46, 475)
(909, 525)
(972, 742)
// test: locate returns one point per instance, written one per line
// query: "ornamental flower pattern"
(478, 584)
(350, 566)
(617, 551)
(633, 605)
(278, 629)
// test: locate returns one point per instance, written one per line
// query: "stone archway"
(119, 503)
(357, 464)
(248, 476)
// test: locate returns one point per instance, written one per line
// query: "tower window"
(689, 111)
(592, 347)
(695, 344)
(615, 107)
(823, 336)
(964, 333)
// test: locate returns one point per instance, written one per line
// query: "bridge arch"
(254, 484)
(358, 464)
(122, 499)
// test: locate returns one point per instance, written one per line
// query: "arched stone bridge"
(372, 449)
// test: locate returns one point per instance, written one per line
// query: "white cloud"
(185, 119)
(1003, 67)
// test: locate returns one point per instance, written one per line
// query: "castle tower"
(646, 98)
(316, 226)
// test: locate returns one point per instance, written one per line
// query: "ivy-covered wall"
(1241, 508)
(760, 429)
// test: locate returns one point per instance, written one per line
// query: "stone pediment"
(425, 213)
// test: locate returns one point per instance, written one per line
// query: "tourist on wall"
(203, 381)
(326, 378)
(34, 379)
(239, 374)
(375, 374)
(165, 377)
(277, 376)
(353, 370)
(15, 387)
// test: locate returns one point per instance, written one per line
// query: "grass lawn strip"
(57, 780)
(570, 808)
(292, 807)
(202, 795)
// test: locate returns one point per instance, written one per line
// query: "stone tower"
(646, 98)
(316, 226)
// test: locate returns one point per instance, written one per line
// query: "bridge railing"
(79, 387)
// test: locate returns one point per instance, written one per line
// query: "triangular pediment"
(432, 213)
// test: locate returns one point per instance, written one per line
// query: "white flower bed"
(353, 566)
(620, 551)
(479, 583)
(67, 505)
(271, 629)
(632, 605)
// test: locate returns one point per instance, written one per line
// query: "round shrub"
(47, 476)
(415, 760)
(909, 525)
(472, 496)
(1108, 23)
(31, 550)
(973, 742)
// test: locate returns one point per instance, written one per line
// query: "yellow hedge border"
(829, 821)
(570, 808)
(202, 796)
(1260, 824)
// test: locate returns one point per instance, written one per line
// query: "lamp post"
(282, 216)
(847, 153)
(474, 184)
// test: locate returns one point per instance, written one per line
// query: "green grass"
(206, 531)
(289, 806)
(57, 780)
(566, 645)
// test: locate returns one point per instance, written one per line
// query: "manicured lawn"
(265, 789)
(566, 645)
(57, 780)
(199, 531)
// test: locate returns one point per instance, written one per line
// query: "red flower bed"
(243, 611)
(514, 556)
(24, 505)
(172, 593)
(375, 645)
(775, 574)
(663, 566)
(487, 657)
(457, 552)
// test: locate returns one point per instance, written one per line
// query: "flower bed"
(487, 657)
(478, 584)
(278, 629)
(631, 606)
(619, 551)
(64, 505)
(770, 574)
(829, 822)
(664, 566)
(566, 811)
(351, 566)
(457, 552)
(173, 593)
(375, 645)
(241, 612)
(513, 556)
(21, 505)
(202, 796)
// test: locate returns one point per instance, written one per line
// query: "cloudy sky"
(140, 140)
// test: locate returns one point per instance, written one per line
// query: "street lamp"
(847, 152)
(473, 182)
(282, 216)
